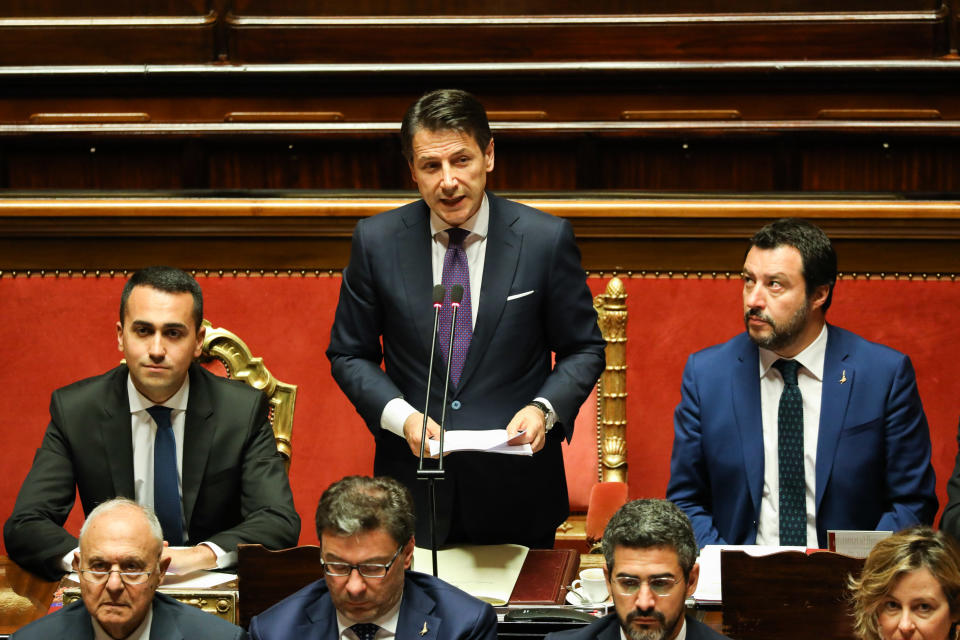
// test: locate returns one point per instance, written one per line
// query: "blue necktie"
(456, 271)
(793, 501)
(365, 630)
(166, 489)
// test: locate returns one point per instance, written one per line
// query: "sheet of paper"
(490, 441)
(488, 572)
(708, 588)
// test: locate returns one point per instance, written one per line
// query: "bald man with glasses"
(120, 566)
(368, 592)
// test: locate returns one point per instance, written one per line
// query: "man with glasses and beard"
(651, 554)
(368, 591)
(796, 427)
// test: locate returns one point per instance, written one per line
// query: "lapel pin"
(843, 376)
(423, 631)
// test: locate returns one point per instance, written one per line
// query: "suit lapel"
(198, 431)
(116, 434)
(416, 620)
(834, 398)
(164, 624)
(499, 266)
(415, 274)
(746, 409)
(321, 620)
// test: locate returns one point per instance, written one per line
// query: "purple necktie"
(455, 271)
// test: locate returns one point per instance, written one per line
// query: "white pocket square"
(519, 295)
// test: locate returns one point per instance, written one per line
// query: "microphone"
(439, 293)
(456, 296)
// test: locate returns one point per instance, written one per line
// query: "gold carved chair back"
(240, 364)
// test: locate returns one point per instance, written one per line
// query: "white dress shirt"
(396, 412)
(810, 382)
(387, 624)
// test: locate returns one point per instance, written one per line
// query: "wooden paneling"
(63, 8)
(663, 235)
(570, 7)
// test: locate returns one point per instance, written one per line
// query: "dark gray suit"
(235, 488)
(608, 628)
(172, 620)
(386, 293)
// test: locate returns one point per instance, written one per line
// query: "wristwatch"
(548, 416)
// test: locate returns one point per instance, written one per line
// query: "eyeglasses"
(629, 586)
(365, 569)
(128, 577)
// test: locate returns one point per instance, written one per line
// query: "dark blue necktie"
(365, 630)
(166, 489)
(793, 501)
(456, 271)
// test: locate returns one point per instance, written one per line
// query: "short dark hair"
(642, 524)
(819, 258)
(360, 503)
(169, 279)
(445, 110)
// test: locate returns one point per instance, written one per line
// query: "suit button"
(455, 405)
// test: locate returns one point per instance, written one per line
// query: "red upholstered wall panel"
(57, 330)
(670, 318)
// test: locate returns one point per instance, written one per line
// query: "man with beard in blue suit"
(368, 591)
(796, 426)
(651, 558)
(527, 348)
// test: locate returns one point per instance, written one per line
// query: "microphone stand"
(432, 474)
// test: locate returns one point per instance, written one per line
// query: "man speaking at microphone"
(525, 298)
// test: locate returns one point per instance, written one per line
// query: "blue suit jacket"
(873, 466)
(608, 628)
(447, 612)
(533, 302)
(172, 620)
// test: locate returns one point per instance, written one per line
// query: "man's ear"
(819, 296)
(694, 577)
(119, 336)
(408, 553)
(488, 153)
(164, 564)
(201, 334)
(76, 561)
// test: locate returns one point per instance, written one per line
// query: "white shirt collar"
(811, 358)
(387, 621)
(478, 224)
(140, 402)
(142, 632)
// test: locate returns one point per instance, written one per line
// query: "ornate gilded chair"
(227, 348)
(606, 450)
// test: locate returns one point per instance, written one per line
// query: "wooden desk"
(23, 596)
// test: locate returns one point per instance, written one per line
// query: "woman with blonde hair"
(909, 588)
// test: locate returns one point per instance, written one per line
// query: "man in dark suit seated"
(651, 570)
(120, 563)
(366, 527)
(526, 352)
(196, 448)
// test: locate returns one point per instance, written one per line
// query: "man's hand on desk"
(413, 427)
(530, 421)
(189, 559)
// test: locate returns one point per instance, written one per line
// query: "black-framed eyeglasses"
(660, 586)
(128, 577)
(365, 569)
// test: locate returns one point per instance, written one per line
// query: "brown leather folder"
(544, 577)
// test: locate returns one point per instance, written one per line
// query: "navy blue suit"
(447, 613)
(172, 620)
(608, 628)
(533, 302)
(873, 468)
